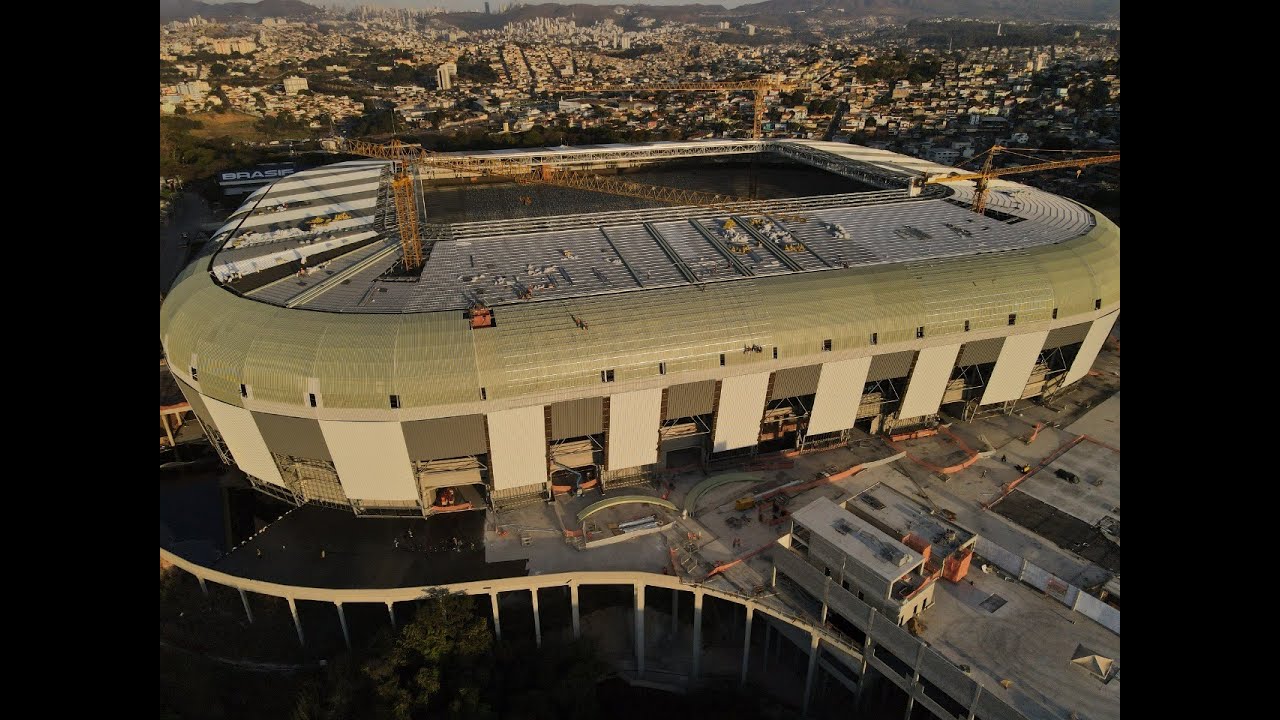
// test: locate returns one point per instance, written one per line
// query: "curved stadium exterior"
(620, 343)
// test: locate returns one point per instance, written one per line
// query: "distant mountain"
(583, 14)
(183, 9)
(1024, 10)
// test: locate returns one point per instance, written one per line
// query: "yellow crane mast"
(982, 178)
(410, 157)
(759, 87)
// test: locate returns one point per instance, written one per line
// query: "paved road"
(190, 212)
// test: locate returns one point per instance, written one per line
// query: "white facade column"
(697, 632)
(342, 620)
(573, 607)
(391, 613)
(814, 640)
(497, 619)
(639, 599)
(244, 598)
(297, 623)
(537, 619)
(746, 645)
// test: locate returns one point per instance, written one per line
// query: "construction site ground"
(1028, 640)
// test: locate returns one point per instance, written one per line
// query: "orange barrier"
(949, 470)
(797, 489)
(450, 508)
(923, 433)
(177, 407)
(1096, 441)
(959, 441)
(1043, 463)
(1035, 433)
(562, 489)
(738, 560)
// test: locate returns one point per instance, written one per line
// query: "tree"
(440, 660)
(217, 70)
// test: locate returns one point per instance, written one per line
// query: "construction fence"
(1050, 584)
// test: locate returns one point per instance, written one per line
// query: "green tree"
(439, 661)
(218, 70)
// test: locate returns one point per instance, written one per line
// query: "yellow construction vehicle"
(342, 216)
(320, 221)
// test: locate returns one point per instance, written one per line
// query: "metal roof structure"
(650, 286)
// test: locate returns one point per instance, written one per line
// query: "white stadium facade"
(618, 344)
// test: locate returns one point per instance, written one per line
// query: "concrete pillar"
(915, 682)
(297, 623)
(675, 612)
(639, 594)
(823, 621)
(537, 619)
(164, 420)
(342, 620)
(573, 606)
(814, 641)
(746, 645)
(973, 704)
(247, 610)
(203, 588)
(697, 632)
(867, 649)
(497, 620)
(391, 613)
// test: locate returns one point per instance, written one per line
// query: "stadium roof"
(414, 341)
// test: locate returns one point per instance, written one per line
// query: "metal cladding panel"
(1013, 369)
(794, 382)
(244, 440)
(929, 381)
(835, 406)
(536, 347)
(634, 419)
(1098, 333)
(518, 452)
(892, 365)
(742, 400)
(452, 478)
(690, 399)
(575, 418)
(445, 437)
(1067, 335)
(982, 351)
(196, 400)
(299, 437)
(371, 459)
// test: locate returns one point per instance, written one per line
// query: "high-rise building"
(486, 8)
(445, 75)
(293, 84)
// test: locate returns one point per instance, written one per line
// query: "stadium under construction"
(569, 340)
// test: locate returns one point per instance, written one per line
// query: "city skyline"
(478, 5)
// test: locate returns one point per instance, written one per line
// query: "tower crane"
(408, 157)
(982, 178)
(759, 87)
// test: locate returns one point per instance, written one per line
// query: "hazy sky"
(478, 5)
